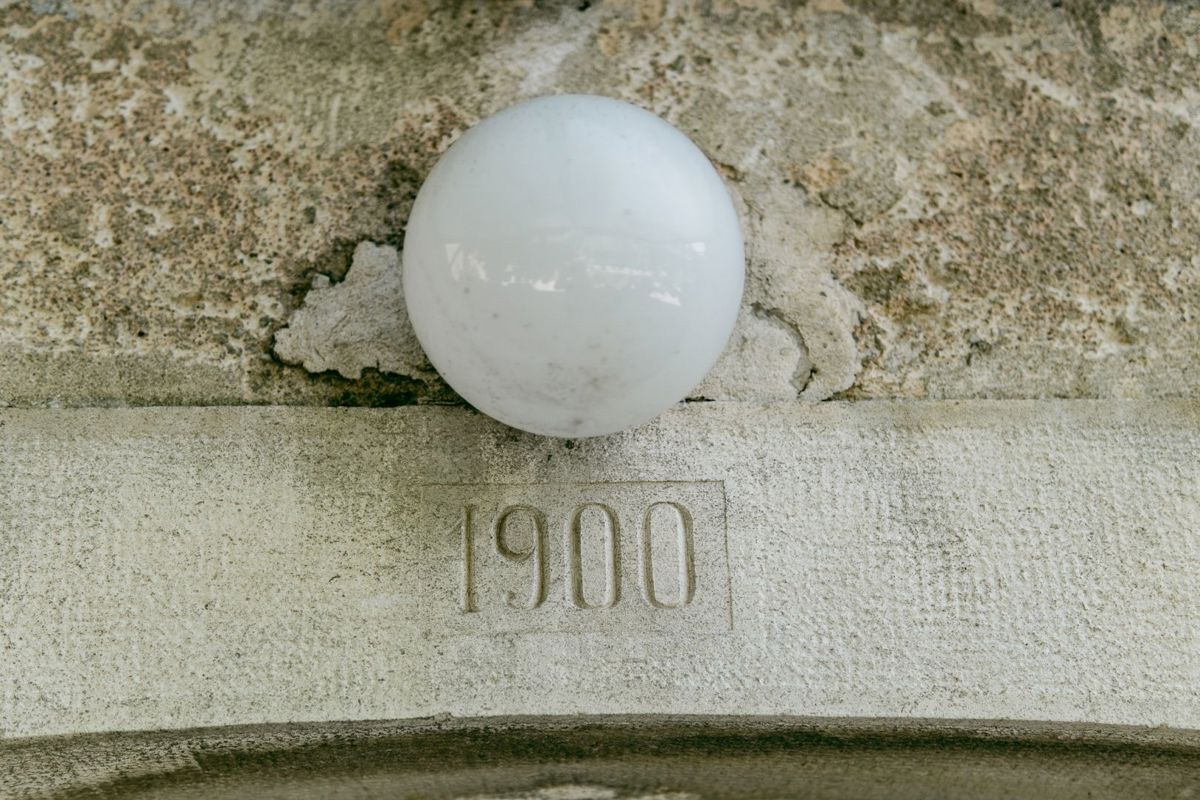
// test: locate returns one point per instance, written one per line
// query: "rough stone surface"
(613, 758)
(166, 568)
(954, 200)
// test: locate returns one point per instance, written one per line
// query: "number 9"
(536, 551)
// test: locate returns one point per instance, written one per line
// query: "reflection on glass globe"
(573, 266)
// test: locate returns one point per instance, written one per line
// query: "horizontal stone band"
(165, 568)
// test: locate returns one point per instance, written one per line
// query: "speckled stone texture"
(946, 200)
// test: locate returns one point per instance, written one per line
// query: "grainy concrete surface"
(615, 758)
(166, 568)
(941, 199)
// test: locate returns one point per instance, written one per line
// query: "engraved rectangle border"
(729, 617)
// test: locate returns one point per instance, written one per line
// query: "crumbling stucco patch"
(360, 323)
(764, 360)
(790, 280)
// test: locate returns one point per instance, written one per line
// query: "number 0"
(612, 558)
(683, 541)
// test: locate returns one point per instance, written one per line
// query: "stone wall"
(998, 206)
(941, 200)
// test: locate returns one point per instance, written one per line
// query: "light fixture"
(573, 265)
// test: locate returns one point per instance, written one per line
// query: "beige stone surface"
(945, 200)
(165, 568)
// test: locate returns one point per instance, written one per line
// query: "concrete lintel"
(167, 568)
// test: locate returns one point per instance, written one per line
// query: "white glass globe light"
(573, 266)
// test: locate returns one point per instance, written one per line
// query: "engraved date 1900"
(658, 518)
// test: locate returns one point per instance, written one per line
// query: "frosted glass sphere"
(573, 266)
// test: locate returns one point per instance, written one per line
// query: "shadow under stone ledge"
(613, 757)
